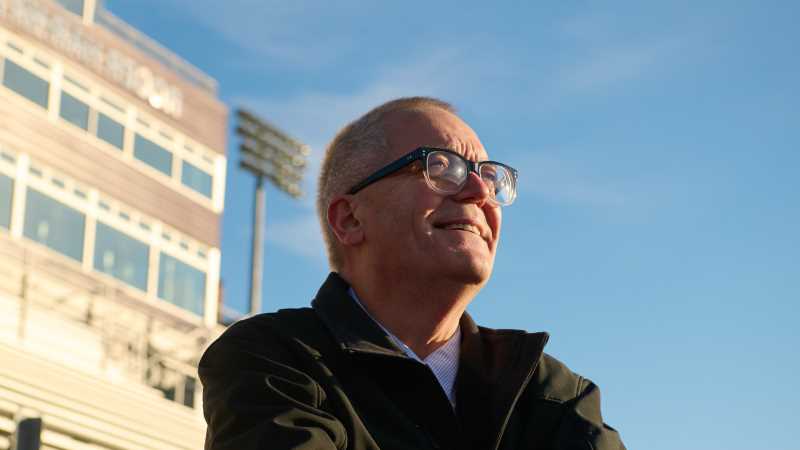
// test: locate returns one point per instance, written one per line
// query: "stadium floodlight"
(268, 153)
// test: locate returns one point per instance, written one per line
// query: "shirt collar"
(443, 361)
(503, 360)
(448, 348)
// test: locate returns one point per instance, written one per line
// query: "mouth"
(468, 227)
(464, 225)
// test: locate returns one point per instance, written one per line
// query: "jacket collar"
(351, 326)
(494, 367)
(490, 352)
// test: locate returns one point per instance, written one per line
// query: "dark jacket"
(328, 377)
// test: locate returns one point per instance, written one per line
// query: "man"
(387, 358)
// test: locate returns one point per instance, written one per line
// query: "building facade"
(112, 186)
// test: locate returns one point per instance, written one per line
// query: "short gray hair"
(356, 151)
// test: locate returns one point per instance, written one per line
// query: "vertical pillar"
(89, 8)
(211, 310)
(258, 247)
(218, 186)
(28, 435)
(90, 230)
(54, 95)
(18, 197)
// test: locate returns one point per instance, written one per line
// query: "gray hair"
(357, 150)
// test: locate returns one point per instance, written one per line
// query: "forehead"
(408, 130)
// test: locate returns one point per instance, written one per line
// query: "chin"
(470, 270)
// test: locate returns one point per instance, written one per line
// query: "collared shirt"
(443, 361)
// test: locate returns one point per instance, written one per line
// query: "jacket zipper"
(516, 398)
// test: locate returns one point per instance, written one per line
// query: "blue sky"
(656, 231)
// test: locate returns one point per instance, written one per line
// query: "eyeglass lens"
(447, 173)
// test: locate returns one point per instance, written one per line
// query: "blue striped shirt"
(443, 361)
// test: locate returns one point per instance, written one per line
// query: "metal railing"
(116, 332)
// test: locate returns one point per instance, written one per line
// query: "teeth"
(464, 227)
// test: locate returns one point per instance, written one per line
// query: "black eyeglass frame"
(421, 154)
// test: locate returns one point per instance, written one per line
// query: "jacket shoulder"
(554, 381)
(267, 323)
(271, 333)
(581, 421)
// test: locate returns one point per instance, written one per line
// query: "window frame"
(26, 63)
(66, 192)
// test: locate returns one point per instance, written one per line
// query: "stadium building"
(112, 182)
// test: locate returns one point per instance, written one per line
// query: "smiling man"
(387, 358)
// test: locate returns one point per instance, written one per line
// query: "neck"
(422, 314)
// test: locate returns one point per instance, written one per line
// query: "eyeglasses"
(446, 172)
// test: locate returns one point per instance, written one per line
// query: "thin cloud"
(619, 63)
(562, 181)
(296, 33)
(603, 55)
(300, 236)
(451, 73)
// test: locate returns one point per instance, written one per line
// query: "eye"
(437, 165)
(489, 172)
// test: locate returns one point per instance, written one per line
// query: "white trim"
(152, 263)
(89, 8)
(90, 231)
(90, 209)
(65, 195)
(54, 95)
(8, 168)
(26, 59)
(129, 136)
(200, 156)
(210, 312)
(177, 168)
(218, 186)
(18, 199)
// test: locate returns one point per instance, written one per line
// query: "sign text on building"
(64, 35)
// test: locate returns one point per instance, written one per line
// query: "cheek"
(494, 218)
(421, 224)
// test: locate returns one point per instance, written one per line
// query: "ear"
(342, 219)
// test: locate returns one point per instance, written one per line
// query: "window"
(6, 192)
(74, 111)
(189, 386)
(73, 6)
(25, 83)
(121, 256)
(196, 179)
(110, 130)
(54, 224)
(181, 284)
(153, 155)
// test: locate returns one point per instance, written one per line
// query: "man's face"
(412, 231)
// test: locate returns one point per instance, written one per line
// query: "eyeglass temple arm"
(388, 170)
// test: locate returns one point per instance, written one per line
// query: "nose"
(474, 190)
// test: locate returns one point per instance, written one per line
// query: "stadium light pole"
(269, 154)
